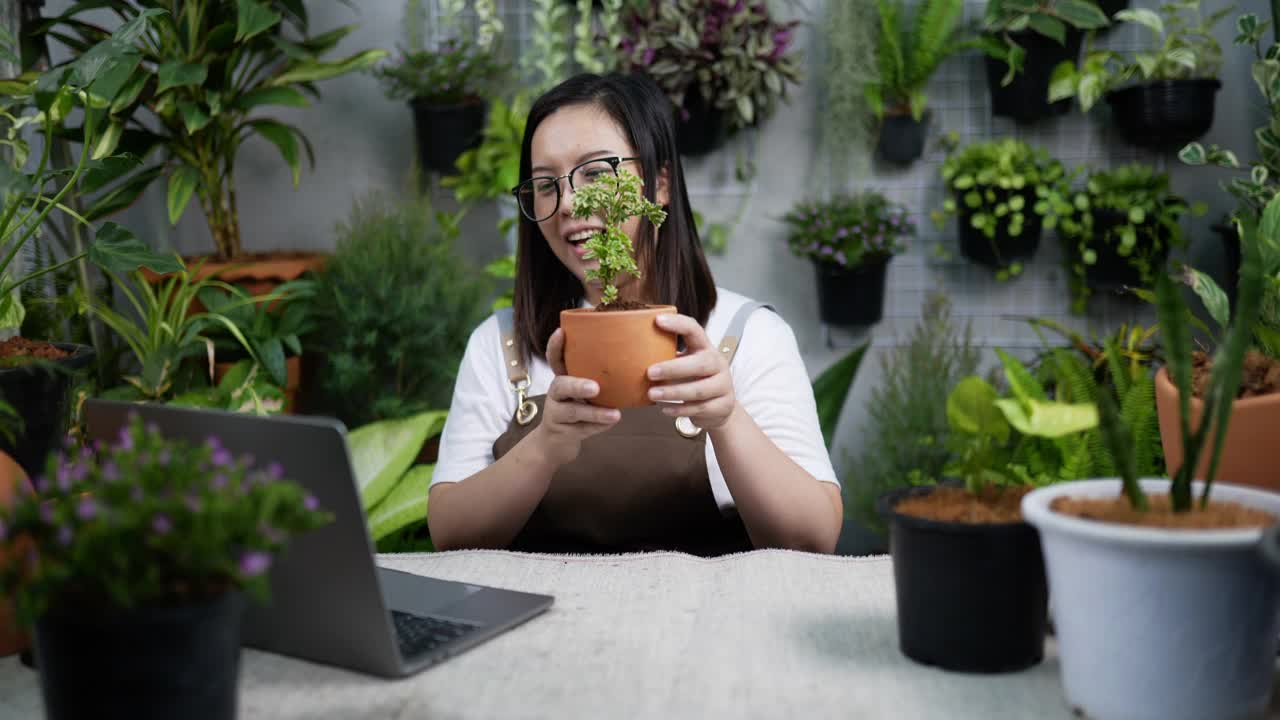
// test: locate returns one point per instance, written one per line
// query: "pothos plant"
(1050, 18)
(614, 199)
(997, 186)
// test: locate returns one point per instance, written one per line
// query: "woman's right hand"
(567, 419)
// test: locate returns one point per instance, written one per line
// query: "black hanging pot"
(1110, 8)
(446, 131)
(902, 138)
(701, 128)
(144, 663)
(1230, 258)
(971, 598)
(1164, 114)
(1004, 249)
(851, 296)
(1112, 271)
(1025, 98)
(40, 394)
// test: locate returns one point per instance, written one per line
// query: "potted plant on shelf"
(615, 342)
(196, 105)
(1120, 230)
(850, 239)
(35, 376)
(1109, 543)
(1160, 98)
(968, 543)
(1025, 40)
(908, 54)
(722, 64)
(445, 88)
(489, 170)
(132, 564)
(1004, 194)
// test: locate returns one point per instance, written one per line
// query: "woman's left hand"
(699, 377)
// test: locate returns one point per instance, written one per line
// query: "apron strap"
(511, 355)
(732, 335)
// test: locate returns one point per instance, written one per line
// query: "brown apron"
(640, 485)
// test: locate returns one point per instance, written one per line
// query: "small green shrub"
(393, 310)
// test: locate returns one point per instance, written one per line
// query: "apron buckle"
(685, 427)
(526, 409)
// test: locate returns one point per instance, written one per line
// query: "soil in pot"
(40, 394)
(1164, 114)
(971, 589)
(1260, 374)
(614, 345)
(1218, 515)
(902, 137)
(446, 131)
(851, 297)
(1026, 98)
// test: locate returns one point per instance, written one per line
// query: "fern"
(1075, 376)
(931, 39)
(1138, 410)
(889, 57)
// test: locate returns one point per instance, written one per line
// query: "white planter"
(1159, 624)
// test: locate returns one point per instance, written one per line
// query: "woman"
(738, 464)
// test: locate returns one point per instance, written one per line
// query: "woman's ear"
(662, 193)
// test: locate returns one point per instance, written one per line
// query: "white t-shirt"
(769, 379)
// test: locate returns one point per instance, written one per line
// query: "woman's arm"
(781, 504)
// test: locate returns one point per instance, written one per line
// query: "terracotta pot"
(293, 379)
(12, 479)
(616, 349)
(1248, 455)
(257, 274)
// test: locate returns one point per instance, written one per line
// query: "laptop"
(330, 603)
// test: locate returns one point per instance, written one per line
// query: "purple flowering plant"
(732, 53)
(849, 230)
(147, 521)
(458, 71)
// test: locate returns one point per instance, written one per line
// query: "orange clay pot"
(257, 274)
(12, 479)
(616, 348)
(1249, 451)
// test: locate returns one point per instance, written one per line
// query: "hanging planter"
(1025, 98)
(700, 128)
(1002, 249)
(851, 296)
(446, 131)
(902, 137)
(1164, 114)
(1112, 271)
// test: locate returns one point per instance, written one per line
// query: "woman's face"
(564, 140)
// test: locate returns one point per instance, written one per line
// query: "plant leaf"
(182, 183)
(282, 137)
(404, 505)
(382, 451)
(180, 74)
(253, 17)
(831, 389)
(312, 71)
(272, 96)
(116, 249)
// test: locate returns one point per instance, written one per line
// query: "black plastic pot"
(41, 396)
(1230, 259)
(1111, 7)
(161, 663)
(971, 598)
(1164, 114)
(1002, 250)
(851, 296)
(1112, 271)
(902, 138)
(446, 131)
(701, 128)
(1025, 98)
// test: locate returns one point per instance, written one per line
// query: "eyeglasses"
(539, 197)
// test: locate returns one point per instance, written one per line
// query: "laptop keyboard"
(418, 634)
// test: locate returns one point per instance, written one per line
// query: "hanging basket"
(1004, 249)
(701, 129)
(1164, 114)
(902, 138)
(446, 131)
(1025, 99)
(1112, 271)
(851, 296)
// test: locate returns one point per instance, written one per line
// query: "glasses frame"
(614, 161)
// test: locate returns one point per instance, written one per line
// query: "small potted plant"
(1004, 194)
(615, 343)
(489, 170)
(445, 87)
(722, 64)
(850, 240)
(131, 562)
(909, 53)
(1204, 644)
(1161, 98)
(1025, 40)
(1120, 230)
(968, 543)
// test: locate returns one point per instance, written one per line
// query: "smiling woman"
(725, 455)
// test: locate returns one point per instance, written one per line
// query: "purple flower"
(310, 503)
(42, 485)
(110, 472)
(213, 442)
(219, 481)
(647, 59)
(275, 471)
(254, 563)
(842, 258)
(79, 473)
(87, 509)
(64, 477)
(161, 524)
(64, 536)
(124, 440)
(826, 250)
(99, 446)
(153, 429)
(842, 232)
(46, 513)
(222, 457)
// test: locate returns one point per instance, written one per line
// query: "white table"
(767, 634)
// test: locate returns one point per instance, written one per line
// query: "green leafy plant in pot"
(1108, 542)
(132, 560)
(1004, 194)
(489, 170)
(906, 60)
(968, 543)
(1120, 230)
(592, 336)
(35, 375)
(850, 240)
(1025, 40)
(1160, 98)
